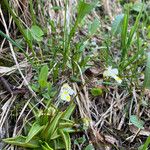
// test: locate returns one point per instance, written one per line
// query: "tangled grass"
(77, 50)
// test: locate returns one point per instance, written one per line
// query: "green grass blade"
(134, 28)
(83, 9)
(133, 58)
(32, 12)
(17, 45)
(147, 73)
(146, 144)
(124, 36)
(126, 42)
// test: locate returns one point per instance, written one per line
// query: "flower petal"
(114, 71)
(71, 91)
(65, 96)
(106, 73)
(118, 79)
(67, 88)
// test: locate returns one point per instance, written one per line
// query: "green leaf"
(140, 147)
(66, 138)
(71, 130)
(84, 9)
(94, 26)
(137, 7)
(46, 95)
(136, 121)
(146, 144)
(66, 124)
(35, 110)
(35, 87)
(90, 147)
(35, 129)
(45, 146)
(57, 144)
(51, 126)
(96, 91)
(147, 73)
(117, 24)
(21, 141)
(80, 140)
(37, 33)
(69, 111)
(43, 77)
(55, 135)
(148, 32)
(28, 34)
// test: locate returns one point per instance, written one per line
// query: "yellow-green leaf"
(51, 126)
(45, 146)
(69, 111)
(21, 141)
(84, 9)
(43, 76)
(66, 138)
(37, 33)
(35, 129)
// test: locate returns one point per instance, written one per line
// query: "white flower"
(112, 73)
(66, 92)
